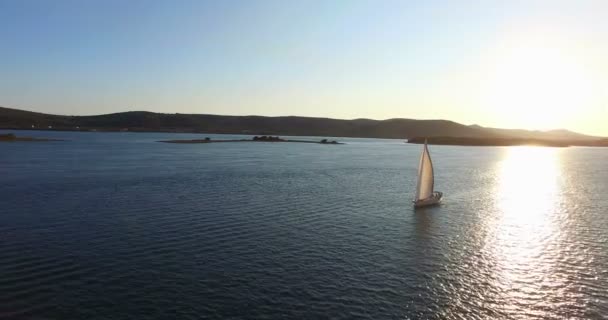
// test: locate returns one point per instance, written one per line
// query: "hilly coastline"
(141, 121)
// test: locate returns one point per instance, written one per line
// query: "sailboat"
(425, 196)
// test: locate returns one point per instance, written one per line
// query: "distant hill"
(292, 125)
(559, 134)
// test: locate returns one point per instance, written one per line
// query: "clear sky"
(516, 64)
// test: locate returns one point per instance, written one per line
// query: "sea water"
(117, 225)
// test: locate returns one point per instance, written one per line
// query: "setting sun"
(534, 86)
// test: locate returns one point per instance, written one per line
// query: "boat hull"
(433, 200)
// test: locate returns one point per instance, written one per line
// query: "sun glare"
(537, 87)
(527, 195)
(529, 182)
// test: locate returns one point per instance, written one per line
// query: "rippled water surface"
(115, 226)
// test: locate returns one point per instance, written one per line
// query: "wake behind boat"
(425, 196)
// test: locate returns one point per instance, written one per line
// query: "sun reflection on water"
(525, 225)
(528, 184)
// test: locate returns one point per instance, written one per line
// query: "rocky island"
(10, 137)
(254, 139)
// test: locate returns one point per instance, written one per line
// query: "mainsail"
(424, 189)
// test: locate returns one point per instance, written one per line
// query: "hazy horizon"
(535, 65)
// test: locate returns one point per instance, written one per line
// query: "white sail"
(424, 189)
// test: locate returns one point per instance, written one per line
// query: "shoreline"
(203, 141)
(231, 133)
(505, 142)
(448, 141)
(502, 145)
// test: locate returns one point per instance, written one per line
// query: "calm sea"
(117, 226)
